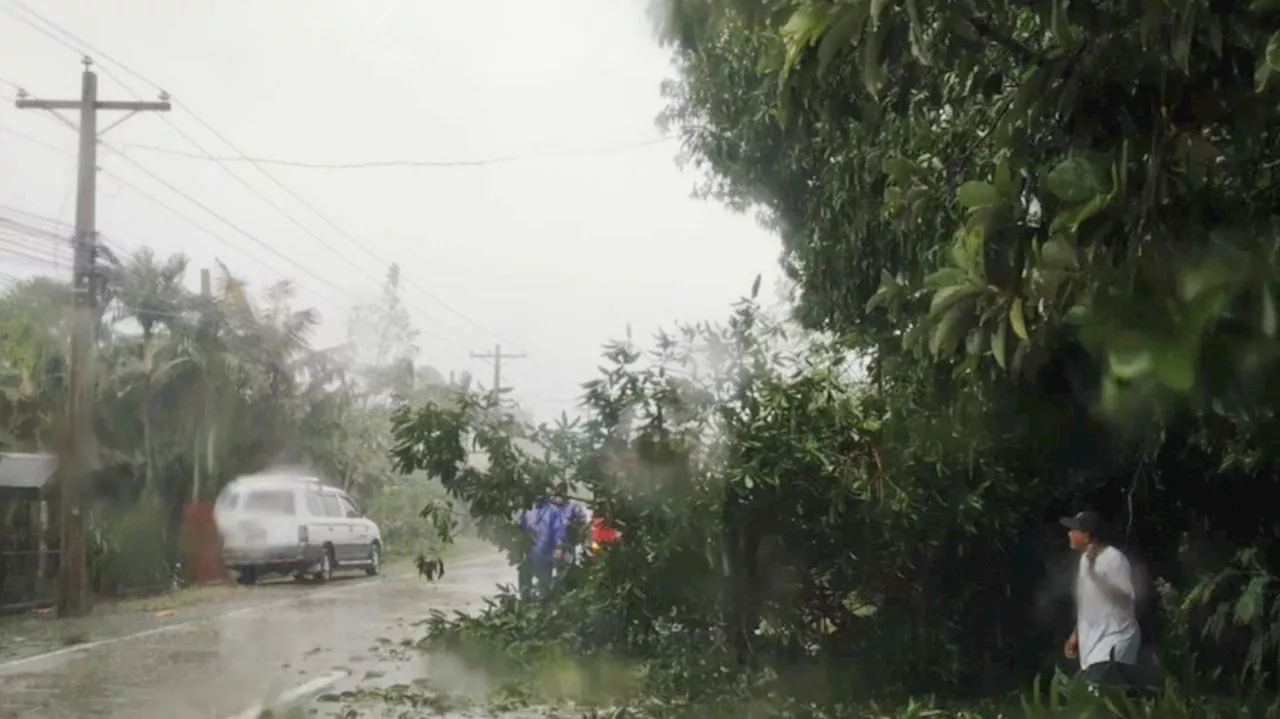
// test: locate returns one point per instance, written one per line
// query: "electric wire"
(86, 46)
(375, 164)
(257, 162)
(81, 47)
(149, 197)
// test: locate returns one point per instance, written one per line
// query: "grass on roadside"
(74, 637)
(199, 594)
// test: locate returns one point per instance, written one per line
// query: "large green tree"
(1052, 224)
(1048, 229)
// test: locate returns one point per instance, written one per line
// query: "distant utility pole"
(497, 358)
(73, 590)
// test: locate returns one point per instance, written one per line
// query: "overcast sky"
(550, 256)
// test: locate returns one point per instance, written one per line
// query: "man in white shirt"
(1106, 637)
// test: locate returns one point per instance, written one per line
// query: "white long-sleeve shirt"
(1107, 631)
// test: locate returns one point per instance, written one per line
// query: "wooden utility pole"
(497, 358)
(202, 424)
(77, 468)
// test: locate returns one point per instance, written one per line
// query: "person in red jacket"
(602, 534)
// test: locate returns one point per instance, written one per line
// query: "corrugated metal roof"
(26, 471)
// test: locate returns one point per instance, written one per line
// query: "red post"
(201, 555)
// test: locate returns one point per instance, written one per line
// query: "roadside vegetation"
(195, 389)
(1033, 250)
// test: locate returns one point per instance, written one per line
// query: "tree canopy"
(1047, 231)
(193, 390)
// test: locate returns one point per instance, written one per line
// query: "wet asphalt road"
(281, 644)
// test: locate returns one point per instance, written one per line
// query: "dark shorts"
(1108, 674)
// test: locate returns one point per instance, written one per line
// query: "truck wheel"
(325, 572)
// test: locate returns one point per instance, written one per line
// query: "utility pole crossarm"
(125, 105)
(497, 356)
(135, 106)
(26, 104)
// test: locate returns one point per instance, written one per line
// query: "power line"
(35, 140)
(27, 239)
(86, 46)
(244, 157)
(186, 218)
(35, 215)
(142, 193)
(27, 243)
(305, 203)
(145, 195)
(284, 213)
(34, 257)
(216, 215)
(187, 197)
(481, 162)
(17, 225)
(125, 253)
(36, 27)
(155, 177)
(271, 203)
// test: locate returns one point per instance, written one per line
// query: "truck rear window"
(270, 501)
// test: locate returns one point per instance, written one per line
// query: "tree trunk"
(197, 443)
(210, 442)
(204, 440)
(150, 490)
(737, 594)
(195, 463)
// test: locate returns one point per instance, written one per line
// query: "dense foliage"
(1047, 231)
(195, 389)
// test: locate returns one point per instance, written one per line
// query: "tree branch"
(1004, 40)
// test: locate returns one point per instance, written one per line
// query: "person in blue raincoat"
(546, 526)
(576, 520)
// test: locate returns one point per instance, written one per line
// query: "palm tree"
(150, 293)
(252, 352)
(33, 336)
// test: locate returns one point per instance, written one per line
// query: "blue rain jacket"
(573, 512)
(546, 523)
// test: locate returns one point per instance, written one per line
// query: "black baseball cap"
(1085, 521)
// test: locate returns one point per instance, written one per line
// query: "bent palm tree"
(150, 293)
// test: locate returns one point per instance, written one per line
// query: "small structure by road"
(26, 572)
